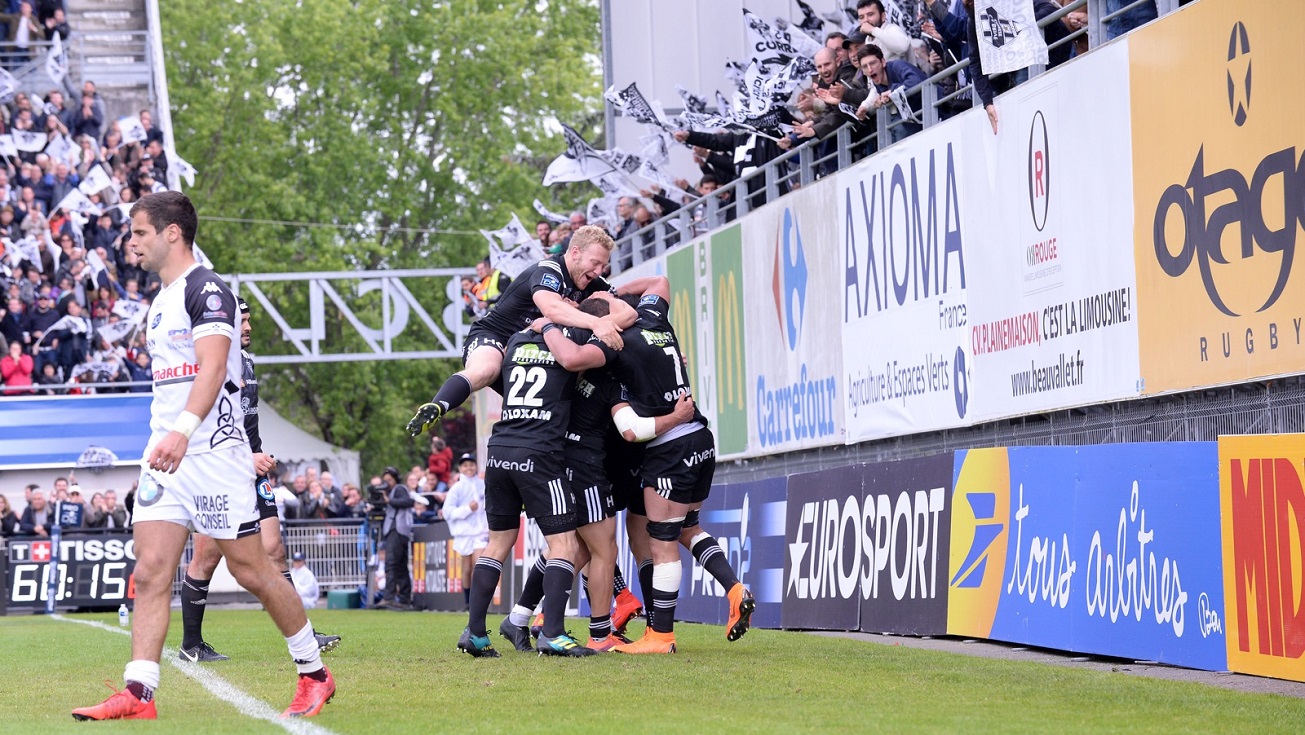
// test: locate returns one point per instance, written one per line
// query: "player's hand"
(538, 324)
(428, 414)
(609, 333)
(264, 463)
(473, 505)
(684, 408)
(169, 452)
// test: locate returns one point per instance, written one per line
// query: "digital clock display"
(91, 571)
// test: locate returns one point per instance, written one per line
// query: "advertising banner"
(1263, 499)
(822, 588)
(1218, 193)
(729, 325)
(901, 219)
(436, 570)
(789, 297)
(1051, 306)
(682, 272)
(905, 528)
(1105, 549)
(747, 520)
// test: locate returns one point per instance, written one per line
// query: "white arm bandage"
(644, 427)
(186, 424)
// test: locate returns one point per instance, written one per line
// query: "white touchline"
(220, 688)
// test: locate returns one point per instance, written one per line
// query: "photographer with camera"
(396, 534)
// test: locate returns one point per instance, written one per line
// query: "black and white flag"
(656, 146)
(131, 311)
(8, 86)
(553, 217)
(1009, 37)
(7, 147)
(30, 141)
(692, 102)
(622, 161)
(78, 202)
(631, 102)
(510, 235)
(734, 71)
(580, 162)
(811, 22)
(56, 62)
(183, 169)
(705, 120)
(61, 149)
(602, 211)
(133, 131)
(773, 46)
(96, 181)
(723, 106)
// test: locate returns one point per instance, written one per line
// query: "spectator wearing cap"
(464, 511)
(304, 580)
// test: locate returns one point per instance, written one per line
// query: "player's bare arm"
(570, 355)
(557, 310)
(211, 354)
(654, 285)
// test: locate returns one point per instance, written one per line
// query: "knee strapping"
(665, 530)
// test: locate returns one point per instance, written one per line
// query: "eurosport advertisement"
(822, 575)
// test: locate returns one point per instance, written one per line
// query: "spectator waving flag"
(656, 147)
(114, 331)
(182, 168)
(130, 311)
(7, 147)
(61, 149)
(631, 102)
(723, 106)
(734, 71)
(1009, 38)
(56, 62)
(512, 234)
(775, 47)
(133, 131)
(96, 181)
(553, 217)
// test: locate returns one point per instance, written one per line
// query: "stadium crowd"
(878, 59)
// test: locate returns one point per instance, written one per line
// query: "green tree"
(409, 124)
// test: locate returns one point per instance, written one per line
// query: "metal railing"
(815, 158)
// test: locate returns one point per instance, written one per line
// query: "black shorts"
(517, 477)
(592, 491)
(681, 470)
(622, 466)
(264, 500)
(479, 337)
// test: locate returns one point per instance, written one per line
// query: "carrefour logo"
(790, 283)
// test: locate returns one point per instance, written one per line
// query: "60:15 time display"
(81, 582)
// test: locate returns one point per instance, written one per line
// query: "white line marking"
(220, 688)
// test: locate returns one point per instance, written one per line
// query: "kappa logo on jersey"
(790, 280)
(551, 282)
(211, 287)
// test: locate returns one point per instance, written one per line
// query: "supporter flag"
(692, 102)
(96, 264)
(200, 256)
(776, 47)
(116, 331)
(7, 147)
(734, 72)
(516, 258)
(96, 181)
(132, 129)
(811, 22)
(602, 211)
(56, 62)
(30, 141)
(580, 162)
(78, 202)
(1009, 37)
(130, 311)
(512, 234)
(631, 102)
(705, 120)
(553, 217)
(70, 323)
(613, 184)
(61, 149)
(8, 86)
(723, 106)
(96, 457)
(622, 161)
(656, 146)
(667, 182)
(98, 369)
(182, 169)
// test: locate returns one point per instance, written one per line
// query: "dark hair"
(708, 179)
(877, 3)
(868, 50)
(836, 34)
(541, 222)
(170, 208)
(595, 307)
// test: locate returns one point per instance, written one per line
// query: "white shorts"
(464, 545)
(211, 493)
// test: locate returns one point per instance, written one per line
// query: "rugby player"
(677, 468)
(204, 560)
(548, 288)
(198, 469)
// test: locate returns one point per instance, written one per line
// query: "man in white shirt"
(305, 581)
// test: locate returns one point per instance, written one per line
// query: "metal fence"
(941, 97)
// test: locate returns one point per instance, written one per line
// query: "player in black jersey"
(525, 467)
(677, 467)
(598, 400)
(548, 288)
(204, 560)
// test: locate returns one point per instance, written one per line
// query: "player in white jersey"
(199, 469)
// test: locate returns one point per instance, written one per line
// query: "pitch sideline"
(220, 688)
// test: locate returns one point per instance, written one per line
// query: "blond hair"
(588, 235)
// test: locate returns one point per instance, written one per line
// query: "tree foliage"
(391, 118)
